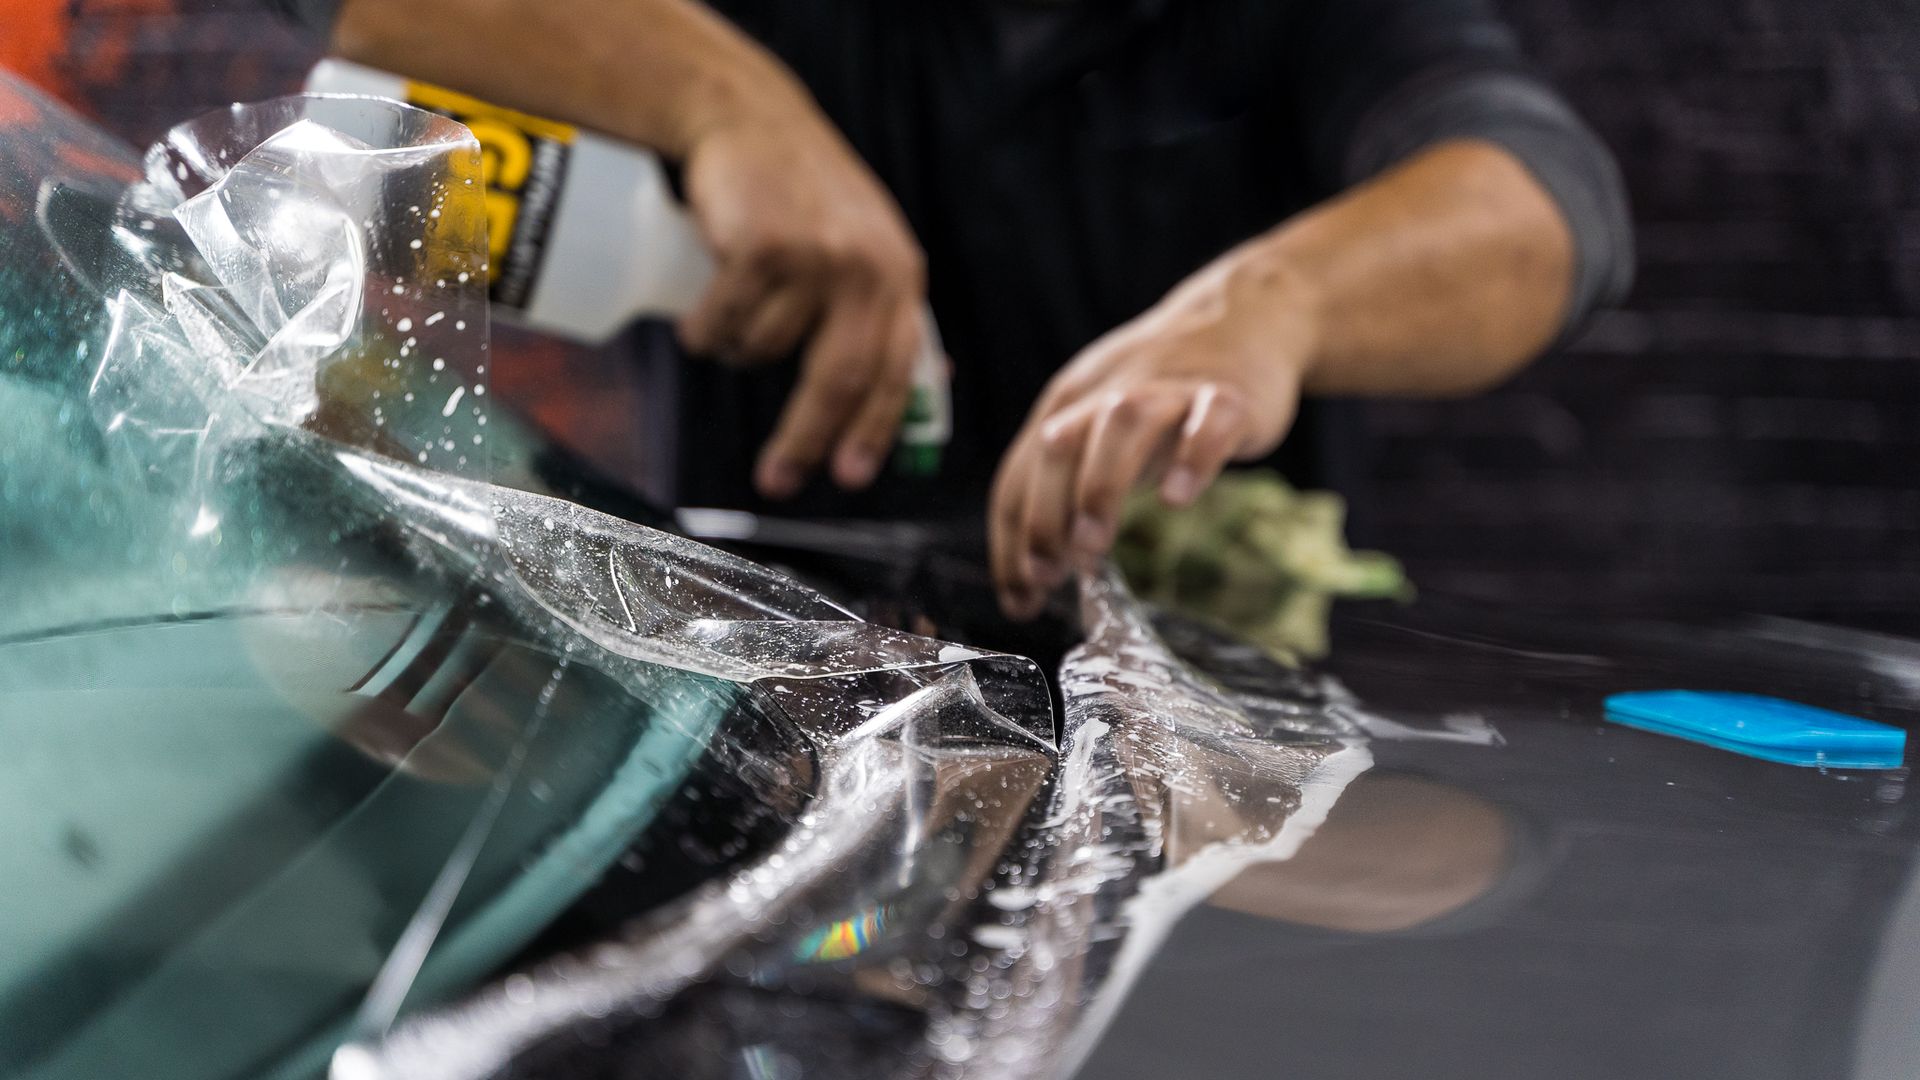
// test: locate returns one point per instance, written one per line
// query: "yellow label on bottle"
(523, 162)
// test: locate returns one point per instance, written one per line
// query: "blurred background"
(1742, 436)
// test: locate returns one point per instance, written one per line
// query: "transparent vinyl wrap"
(313, 728)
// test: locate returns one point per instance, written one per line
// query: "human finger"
(1210, 436)
(1129, 429)
(739, 289)
(1045, 537)
(870, 436)
(774, 329)
(1006, 510)
(835, 376)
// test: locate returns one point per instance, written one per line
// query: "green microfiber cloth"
(1254, 556)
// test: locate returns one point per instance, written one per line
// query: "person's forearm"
(812, 257)
(1442, 276)
(660, 73)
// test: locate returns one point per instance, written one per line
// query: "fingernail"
(856, 468)
(1180, 486)
(778, 480)
(1090, 536)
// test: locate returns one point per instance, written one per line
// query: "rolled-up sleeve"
(1380, 80)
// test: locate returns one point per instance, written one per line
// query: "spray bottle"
(585, 235)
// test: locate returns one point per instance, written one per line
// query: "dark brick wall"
(1745, 434)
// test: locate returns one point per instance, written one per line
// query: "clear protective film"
(945, 900)
(313, 729)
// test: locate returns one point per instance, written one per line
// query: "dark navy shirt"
(1065, 163)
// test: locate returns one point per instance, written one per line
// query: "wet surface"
(1515, 888)
(1650, 907)
(780, 831)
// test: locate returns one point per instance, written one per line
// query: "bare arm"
(809, 246)
(660, 73)
(1443, 275)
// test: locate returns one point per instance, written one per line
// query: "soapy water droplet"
(403, 326)
(398, 289)
(453, 401)
(459, 324)
(461, 276)
(414, 244)
(434, 318)
(204, 522)
(439, 363)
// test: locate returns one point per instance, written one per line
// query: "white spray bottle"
(586, 236)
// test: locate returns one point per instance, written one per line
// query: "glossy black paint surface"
(1663, 909)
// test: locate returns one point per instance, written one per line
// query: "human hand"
(808, 246)
(1211, 374)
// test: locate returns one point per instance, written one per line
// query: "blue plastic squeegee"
(1763, 727)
